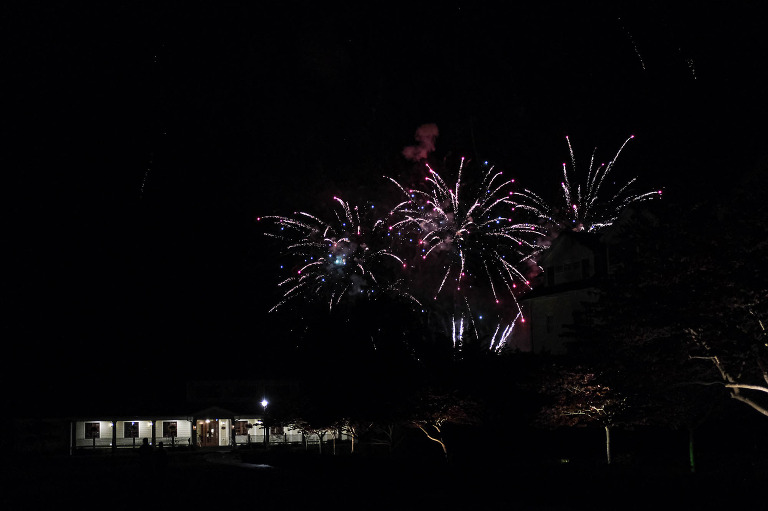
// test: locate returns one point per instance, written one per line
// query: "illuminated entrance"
(213, 432)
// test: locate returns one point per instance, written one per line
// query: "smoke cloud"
(425, 136)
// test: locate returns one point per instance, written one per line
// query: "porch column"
(194, 432)
(154, 432)
(71, 438)
(114, 435)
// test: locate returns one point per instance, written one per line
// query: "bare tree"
(734, 372)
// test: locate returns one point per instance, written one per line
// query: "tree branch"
(442, 444)
(759, 388)
(749, 402)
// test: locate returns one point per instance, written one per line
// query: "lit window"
(169, 429)
(92, 430)
(130, 430)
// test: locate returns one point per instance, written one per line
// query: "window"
(276, 430)
(241, 427)
(549, 324)
(169, 429)
(550, 272)
(585, 268)
(567, 267)
(130, 430)
(92, 430)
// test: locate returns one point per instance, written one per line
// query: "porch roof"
(214, 412)
(210, 412)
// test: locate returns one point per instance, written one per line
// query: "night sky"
(141, 141)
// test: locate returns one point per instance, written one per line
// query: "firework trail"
(467, 244)
(583, 207)
(334, 260)
(500, 335)
(633, 43)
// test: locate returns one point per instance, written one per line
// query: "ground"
(299, 480)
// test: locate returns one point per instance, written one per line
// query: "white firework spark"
(468, 238)
(583, 207)
(334, 260)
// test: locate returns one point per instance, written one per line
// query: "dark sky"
(141, 140)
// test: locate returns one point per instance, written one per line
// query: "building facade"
(225, 414)
(571, 268)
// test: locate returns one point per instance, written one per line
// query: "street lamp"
(264, 403)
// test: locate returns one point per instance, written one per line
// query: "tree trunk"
(608, 444)
(437, 438)
(691, 459)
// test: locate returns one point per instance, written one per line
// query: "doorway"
(208, 433)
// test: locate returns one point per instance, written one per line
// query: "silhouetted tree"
(731, 284)
(689, 287)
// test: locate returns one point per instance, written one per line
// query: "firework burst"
(466, 241)
(334, 260)
(583, 207)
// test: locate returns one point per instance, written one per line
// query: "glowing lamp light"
(264, 402)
